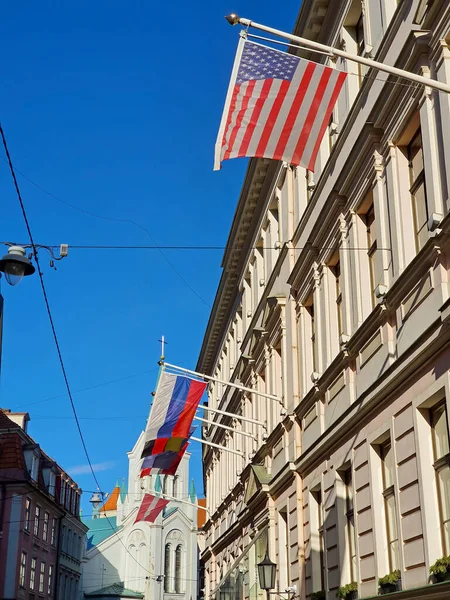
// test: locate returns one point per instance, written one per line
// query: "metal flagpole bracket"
(234, 19)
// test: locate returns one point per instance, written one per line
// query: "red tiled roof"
(11, 452)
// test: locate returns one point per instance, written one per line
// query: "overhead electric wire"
(53, 328)
(117, 220)
(91, 387)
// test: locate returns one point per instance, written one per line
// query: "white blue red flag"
(278, 106)
(176, 400)
(150, 508)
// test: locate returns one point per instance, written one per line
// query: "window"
(23, 569)
(26, 524)
(387, 469)
(369, 220)
(53, 533)
(417, 189)
(33, 573)
(318, 526)
(50, 580)
(175, 486)
(309, 305)
(41, 577)
(34, 467)
(45, 526)
(353, 34)
(167, 568)
(350, 522)
(178, 554)
(441, 456)
(37, 517)
(336, 270)
(62, 494)
(283, 550)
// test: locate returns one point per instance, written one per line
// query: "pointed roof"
(192, 494)
(111, 502)
(123, 490)
(115, 590)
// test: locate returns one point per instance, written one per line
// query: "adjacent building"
(157, 561)
(39, 504)
(334, 297)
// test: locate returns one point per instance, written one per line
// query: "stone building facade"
(335, 297)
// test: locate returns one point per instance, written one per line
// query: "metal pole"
(227, 383)
(225, 427)
(195, 439)
(173, 499)
(433, 83)
(228, 414)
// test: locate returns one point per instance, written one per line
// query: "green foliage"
(346, 590)
(390, 578)
(318, 595)
(441, 568)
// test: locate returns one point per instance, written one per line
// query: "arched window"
(165, 484)
(178, 555)
(175, 486)
(167, 569)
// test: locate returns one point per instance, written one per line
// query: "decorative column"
(383, 257)
(443, 74)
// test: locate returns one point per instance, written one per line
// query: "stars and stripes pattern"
(150, 508)
(278, 106)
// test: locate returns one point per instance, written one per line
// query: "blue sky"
(114, 107)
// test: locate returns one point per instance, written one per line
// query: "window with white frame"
(37, 520)
(23, 569)
(418, 189)
(33, 573)
(390, 507)
(309, 306)
(441, 456)
(34, 467)
(41, 577)
(26, 522)
(45, 526)
(366, 213)
(335, 268)
(50, 580)
(350, 522)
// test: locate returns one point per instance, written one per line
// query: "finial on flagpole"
(232, 18)
(163, 343)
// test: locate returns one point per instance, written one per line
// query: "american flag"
(150, 508)
(278, 106)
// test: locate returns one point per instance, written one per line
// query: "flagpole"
(234, 415)
(205, 443)
(238, 386)
(234, 19)
(226, 427)
(173, 499)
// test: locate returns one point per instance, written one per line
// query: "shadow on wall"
(99, 573)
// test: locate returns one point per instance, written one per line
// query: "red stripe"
(159, 445)
(309, 122)
(230, 112)
(184, 422)
(243, 108)
(145, 472)
(334, 95)
(158, 508)
(147, 500)
(255, 116)
(294, 110)
(271, 119)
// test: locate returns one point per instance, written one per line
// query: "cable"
(91, 387)
(91, 214)
(52, 324)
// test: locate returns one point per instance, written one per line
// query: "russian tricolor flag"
(174, 406)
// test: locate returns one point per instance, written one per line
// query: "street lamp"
(15, 265)
(267, 571)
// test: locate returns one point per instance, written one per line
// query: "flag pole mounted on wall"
(234, 19)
